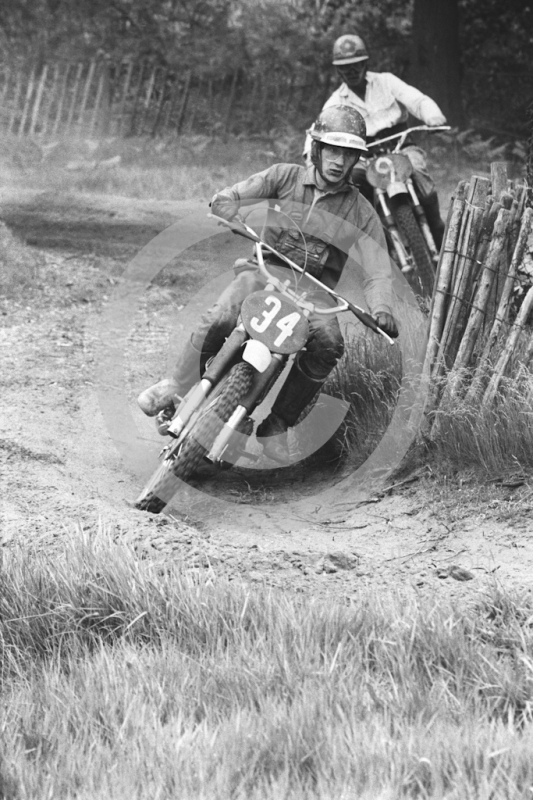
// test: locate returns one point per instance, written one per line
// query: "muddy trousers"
(323, 349)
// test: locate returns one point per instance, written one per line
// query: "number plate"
(388, 169)
(275, 321)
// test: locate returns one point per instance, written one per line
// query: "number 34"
(285, 324)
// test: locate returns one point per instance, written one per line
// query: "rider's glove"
(224, 207)
(387, 323)
(435, 120)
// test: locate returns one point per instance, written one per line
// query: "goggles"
(333, 152)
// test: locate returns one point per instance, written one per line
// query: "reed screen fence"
(138, 98)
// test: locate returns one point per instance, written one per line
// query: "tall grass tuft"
(18, 264)
(368, 377)
(493, 437)
(124, 679)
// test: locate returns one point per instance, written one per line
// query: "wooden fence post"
(231, 102)
(251, 102)
(16, 98)
(25, 110)
(74, 97)
(159, 106)
(498, 176)
(148, 97)
(481, 299)
(171, 101)
(125, 90)
(503, 308)
(47, 107)
(38, 98)
(185, 97)
(516, 330)
(85, 95)
(136, 97)
(7, 76)
(61, 100)
(444, 275)
(97, 100)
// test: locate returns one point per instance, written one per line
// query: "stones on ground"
(461, 574)
(333, 562)
(454, 571)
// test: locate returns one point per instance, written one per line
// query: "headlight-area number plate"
(275, 321)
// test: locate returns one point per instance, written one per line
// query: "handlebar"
(402, 136)
(242, 229)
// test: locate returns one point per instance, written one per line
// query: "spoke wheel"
(182, 461)
(423, 278)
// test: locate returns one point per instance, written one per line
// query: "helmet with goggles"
(342, 126)
(349, 49)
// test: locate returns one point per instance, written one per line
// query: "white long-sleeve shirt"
(386, 103)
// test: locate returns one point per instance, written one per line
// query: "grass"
(177, 168)
(123, 680)
(491, 437)
(369, 378)
(192, 167)
(19, 266)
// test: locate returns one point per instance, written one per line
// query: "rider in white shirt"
(385, 101)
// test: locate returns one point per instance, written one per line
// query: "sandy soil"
(64, 464)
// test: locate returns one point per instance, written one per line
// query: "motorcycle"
(411, 243)
(272, 326)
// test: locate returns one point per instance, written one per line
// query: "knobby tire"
(408, 227)
(162, 486)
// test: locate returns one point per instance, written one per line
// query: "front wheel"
(424, 275)
(183, 459)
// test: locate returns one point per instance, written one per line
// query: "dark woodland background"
(251, 66)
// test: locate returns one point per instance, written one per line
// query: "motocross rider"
(338, 140)
(384, 102)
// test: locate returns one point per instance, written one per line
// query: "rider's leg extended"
(307, 375)
(215, 326)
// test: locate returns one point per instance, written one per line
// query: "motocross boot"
(162, 399)
(159, 396)
(430, 204)
(296, 393)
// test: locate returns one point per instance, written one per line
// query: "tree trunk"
(436, 68)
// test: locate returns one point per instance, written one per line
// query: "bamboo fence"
(483, 296)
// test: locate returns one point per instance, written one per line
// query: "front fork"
(263, 381)
(216, 368)
(422, 220)
(406, 262)
(262, 384)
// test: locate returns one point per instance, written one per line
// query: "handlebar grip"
(364, 317)
(235, 227)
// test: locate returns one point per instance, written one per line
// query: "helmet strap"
(316, 156)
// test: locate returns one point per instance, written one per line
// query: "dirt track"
(63, 472)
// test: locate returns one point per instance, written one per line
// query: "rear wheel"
(424, 275)
(183, 460)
